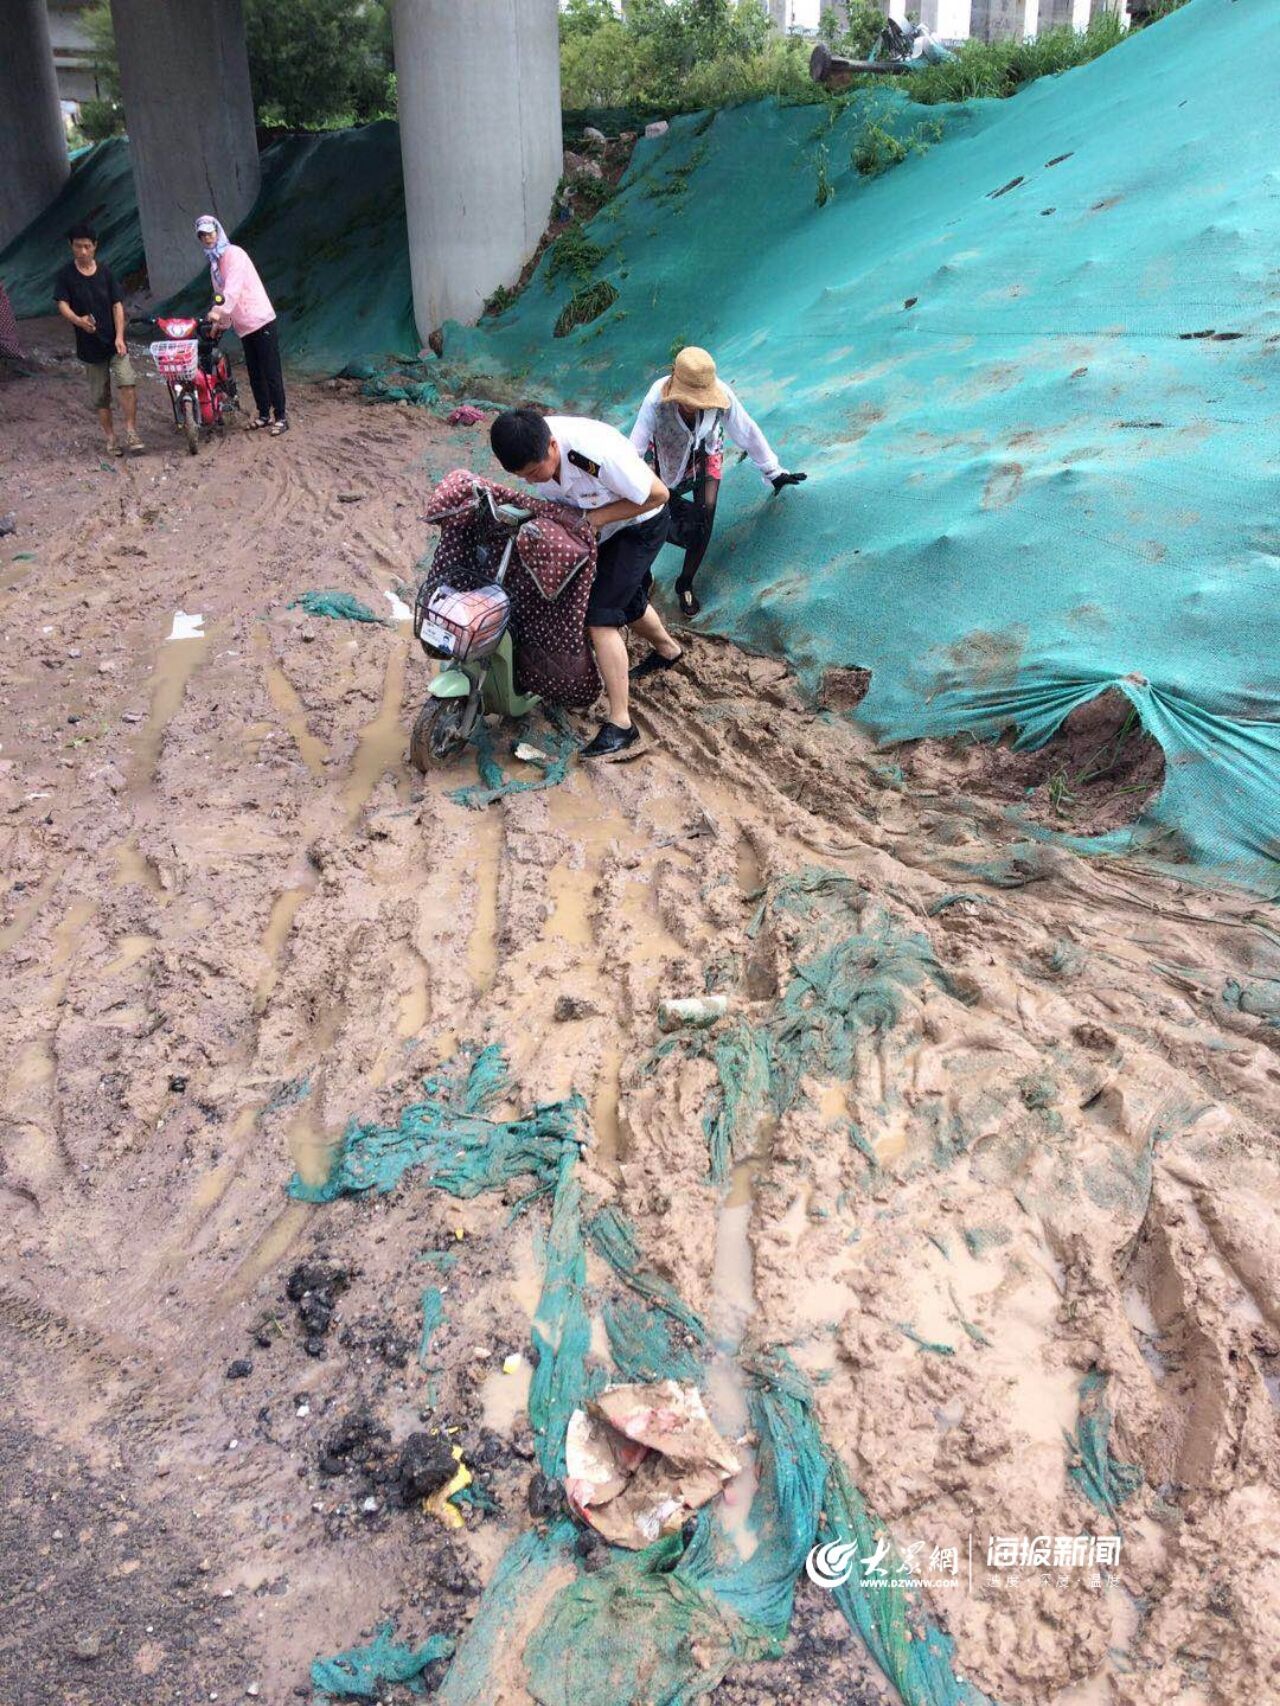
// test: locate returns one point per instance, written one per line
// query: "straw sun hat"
(693, 381)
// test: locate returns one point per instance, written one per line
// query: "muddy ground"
(233, 920)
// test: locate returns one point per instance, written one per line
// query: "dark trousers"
(262, 364)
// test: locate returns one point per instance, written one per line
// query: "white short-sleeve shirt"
(597, 467)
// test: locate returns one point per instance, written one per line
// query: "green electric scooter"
(483, 679)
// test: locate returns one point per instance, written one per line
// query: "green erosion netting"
(361, 1673)
(1103, 1480)
(853, 966)
(341, 606)
(557, 743)
(1032, 374)
(904, 1641)
(663, 1625)
(327, 233)
(99, 191)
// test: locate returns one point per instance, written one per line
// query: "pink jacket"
(247, 307)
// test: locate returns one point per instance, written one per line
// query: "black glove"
(784, 479)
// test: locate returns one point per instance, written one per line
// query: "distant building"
(71, 54)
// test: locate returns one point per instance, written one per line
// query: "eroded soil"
(233, 920)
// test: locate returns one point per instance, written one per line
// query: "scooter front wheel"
(437, 735)
(191, 424)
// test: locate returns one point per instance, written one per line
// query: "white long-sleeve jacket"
(733, 421)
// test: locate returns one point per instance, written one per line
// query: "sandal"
(277, 427)
(258, 423)
(689, 605)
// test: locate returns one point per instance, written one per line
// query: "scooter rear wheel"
(437, 735)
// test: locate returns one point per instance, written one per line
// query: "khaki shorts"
(101, 373)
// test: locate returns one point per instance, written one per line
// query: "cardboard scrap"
(641, 1459)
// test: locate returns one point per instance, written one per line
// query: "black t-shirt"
(92, 295)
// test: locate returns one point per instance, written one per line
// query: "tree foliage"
(313, 64)
(677, 54)
(318, 63)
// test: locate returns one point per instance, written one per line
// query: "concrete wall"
(33, 142)
(189, 112)
(479, 106)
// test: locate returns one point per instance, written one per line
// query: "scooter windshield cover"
(175, 328)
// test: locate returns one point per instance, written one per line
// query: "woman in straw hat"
(681, 427)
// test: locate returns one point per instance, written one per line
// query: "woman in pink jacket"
(246, 308)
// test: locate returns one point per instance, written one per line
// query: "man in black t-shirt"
(90, 299)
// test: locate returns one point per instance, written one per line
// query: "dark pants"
(693, 516)
(620, 591)
(262, 364)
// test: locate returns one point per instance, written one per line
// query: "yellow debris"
(512, 1363)
(438, 1504)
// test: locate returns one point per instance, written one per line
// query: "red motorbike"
(197, 372)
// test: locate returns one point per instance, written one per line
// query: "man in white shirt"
(682, 425)
(591, 467)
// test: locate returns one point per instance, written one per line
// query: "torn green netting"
(854, 965)
(909, 1647)
(432, 1318)
(1102, 1478)
(660, 1626)
(450, 1133)
(1260, 998)
(363, 1672)
(561, 1331)
(645, 1345)
(495, 784)
(515, 1589)
(616, 1242)
(741, 1055)
(400, 381)
(341, 606)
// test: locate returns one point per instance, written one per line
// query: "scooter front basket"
(458, 626)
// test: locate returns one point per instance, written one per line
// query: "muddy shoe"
(134, 445)
(114, 449)
(611, 741)
(651, 665)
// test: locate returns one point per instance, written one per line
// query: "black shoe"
(689, 604)
(611, 740)
(654, 662)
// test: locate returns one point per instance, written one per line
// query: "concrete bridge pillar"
(478, 90)
(188, 108)
(33, 142)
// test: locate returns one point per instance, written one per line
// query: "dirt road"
(233, 920)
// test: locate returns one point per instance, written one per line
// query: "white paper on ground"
(186, 627)
(400, 611)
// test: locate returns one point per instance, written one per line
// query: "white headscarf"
(218, 250)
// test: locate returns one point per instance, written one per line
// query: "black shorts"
(620, 591)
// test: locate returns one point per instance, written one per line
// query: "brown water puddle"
(283, 912)
(176, 662)
(608, 1123)
(284, 696)
(383, 742)
(134, 867)
(129, 950)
